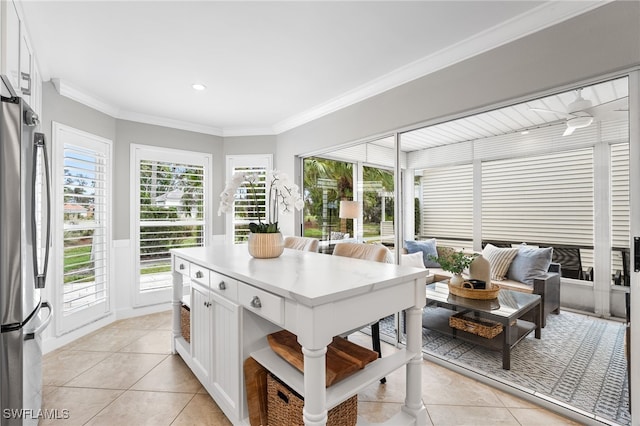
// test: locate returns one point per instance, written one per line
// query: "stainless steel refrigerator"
(24, 251)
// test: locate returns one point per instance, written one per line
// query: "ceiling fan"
(581, 112)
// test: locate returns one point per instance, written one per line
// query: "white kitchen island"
(236, 301)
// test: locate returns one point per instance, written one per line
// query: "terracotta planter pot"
(266, 246)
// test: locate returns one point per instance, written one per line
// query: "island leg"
(315, 401)
(413, 399)
(176, 305)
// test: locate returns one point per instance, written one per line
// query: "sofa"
(546, 284)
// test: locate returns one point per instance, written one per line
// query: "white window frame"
(65, 324)
(147, 152)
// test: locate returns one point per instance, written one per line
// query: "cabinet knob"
(199, 274)
(181, 267)
(222, 285)
(255, 302)
(207, 304)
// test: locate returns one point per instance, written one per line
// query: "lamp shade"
(350, 209)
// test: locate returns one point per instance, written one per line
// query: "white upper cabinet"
(11, 43)
(18, 62)
(26, 61)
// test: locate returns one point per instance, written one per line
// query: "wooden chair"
(302, 243)
(375, 253)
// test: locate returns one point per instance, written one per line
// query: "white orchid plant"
(282, 195)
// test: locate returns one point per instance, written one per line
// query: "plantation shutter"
(447, 203)
(171, 215)
(544, 198)
(249, 204)
(85, 224)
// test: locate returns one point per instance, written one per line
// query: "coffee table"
(508, 309)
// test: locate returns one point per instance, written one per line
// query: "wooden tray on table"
(343, 358)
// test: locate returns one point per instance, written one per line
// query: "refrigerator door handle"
(40, 274)
(30, 335)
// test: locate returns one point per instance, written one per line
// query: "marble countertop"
(311, 279)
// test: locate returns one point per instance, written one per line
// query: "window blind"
(544, 198)
(86, 255)
(171, 215)
(447, 202)
(619, 202)
(250, 202)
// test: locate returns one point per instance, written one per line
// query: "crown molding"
(69, 91)
(73, 93)
(248, 131)
(539, 18)
(168, 122)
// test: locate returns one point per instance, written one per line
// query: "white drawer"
(224, 286)
(265, 304)
(199, 274)
(182, 266)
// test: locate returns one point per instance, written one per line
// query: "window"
(326, 182)
(171, 210)
(83, 238)
(248, 205)
(447, 204)
(620, 214)
(544, 199)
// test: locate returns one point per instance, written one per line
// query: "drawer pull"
(222, 285)
(181, 267)
(255, 302)
(199, 274)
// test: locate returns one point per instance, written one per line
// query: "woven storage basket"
(284, 407)
(470, 293)
(185, 323)
(481, 327)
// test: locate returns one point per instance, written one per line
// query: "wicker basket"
(185, 323)
(481, 327)
(471, 293)
(284, 407)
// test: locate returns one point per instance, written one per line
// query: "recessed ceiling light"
(524, 132)
(198, 86)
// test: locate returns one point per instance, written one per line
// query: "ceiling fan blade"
(568, 131)
(613, 110)
(549, 111)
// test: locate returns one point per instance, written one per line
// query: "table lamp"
(350, 210)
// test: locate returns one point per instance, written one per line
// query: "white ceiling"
(609, 102)
(268, 66)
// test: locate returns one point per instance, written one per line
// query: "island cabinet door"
(225, 365)
(201, 332)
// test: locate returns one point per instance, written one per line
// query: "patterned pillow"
(335, 235)
(499, 259)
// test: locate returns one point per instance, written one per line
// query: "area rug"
(580, 361)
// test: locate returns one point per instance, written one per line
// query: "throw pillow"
(335, 235)
(530, 263)
(500, 259)
(426, 247)
(412, 259)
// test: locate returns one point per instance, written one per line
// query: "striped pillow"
(499, 260)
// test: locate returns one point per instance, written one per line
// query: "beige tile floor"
(124, 374)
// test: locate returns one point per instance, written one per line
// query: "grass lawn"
(76, 258)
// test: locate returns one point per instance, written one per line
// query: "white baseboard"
(130, 312)
(121, 299)
(54, 342)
